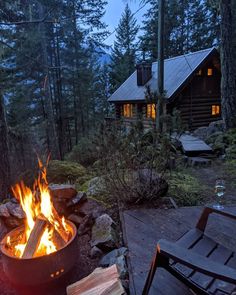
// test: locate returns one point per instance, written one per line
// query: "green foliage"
(132, 161)
(85, 152)
(64, 172)
(189, 26)
(185, 189)
(124, 52)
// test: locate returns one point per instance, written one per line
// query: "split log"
(58, 240)
(60, 229)
(100, 282)
(35, 237)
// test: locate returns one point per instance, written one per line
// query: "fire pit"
(45, 248)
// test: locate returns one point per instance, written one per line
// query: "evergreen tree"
(124, 53)
(189, 26)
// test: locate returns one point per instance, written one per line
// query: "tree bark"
(51, 126)
(228, 83)
(4, 153)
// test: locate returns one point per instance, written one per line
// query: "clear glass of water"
(219, 191)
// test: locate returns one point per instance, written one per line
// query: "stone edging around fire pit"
(91, 220)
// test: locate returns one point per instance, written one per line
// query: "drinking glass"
(219, 191)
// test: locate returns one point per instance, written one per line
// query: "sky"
(114, 11)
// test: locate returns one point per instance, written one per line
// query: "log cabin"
(191, 84)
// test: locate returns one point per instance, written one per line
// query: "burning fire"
(37, 202)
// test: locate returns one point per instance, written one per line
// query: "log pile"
(102, 281)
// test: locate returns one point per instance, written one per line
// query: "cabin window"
(199, 73)
(128, 110)
(215, 110)
(209, 72)
(151, 110)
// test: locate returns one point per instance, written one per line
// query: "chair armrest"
(202, 222)
(197, 262)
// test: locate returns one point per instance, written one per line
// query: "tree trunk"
(4, 154)
(228, 84)
(51, 126)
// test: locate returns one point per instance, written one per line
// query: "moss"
(185, 189)
(65, 171)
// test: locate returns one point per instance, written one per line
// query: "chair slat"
(203, 246)
(221, 255)
(225, 287)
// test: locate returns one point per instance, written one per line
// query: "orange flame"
(35, 202)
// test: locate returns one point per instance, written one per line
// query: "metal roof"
(176, 71)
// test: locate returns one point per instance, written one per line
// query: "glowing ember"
(35, 202)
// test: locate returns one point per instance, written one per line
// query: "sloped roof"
(176, 71)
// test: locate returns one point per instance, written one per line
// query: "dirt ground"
(208, 175)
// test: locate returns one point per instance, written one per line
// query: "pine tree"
(124, 53)
(189, 26)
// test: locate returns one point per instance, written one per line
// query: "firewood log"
(35, 237)
(99, 282)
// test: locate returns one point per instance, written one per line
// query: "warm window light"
(128, 110)
(209, 72)
(151, 110)
(215, 110)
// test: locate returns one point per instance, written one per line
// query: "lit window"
(209, 72)
(199, 73)
(215, 110)
(128, 110)
(151, 110)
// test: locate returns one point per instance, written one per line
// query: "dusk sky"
(114, 11)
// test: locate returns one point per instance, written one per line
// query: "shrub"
(185, 189)
(65, 171)
(85, 152)
(134, 164)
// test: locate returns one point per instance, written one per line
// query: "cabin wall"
(196, 100)
(139, 114)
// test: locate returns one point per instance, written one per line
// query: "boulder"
(104, 235)
(96, 187)
(117, 257)
(198, 162)
(3, 229)
(63, 191)
(86, 225)
(15, 210)
(201, 132)
(90, 207)
(13, 222)
(76, 219)
(95, 252)
(150, 183)
(4, 212)
(78, 199)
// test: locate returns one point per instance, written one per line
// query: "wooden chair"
(205, 266)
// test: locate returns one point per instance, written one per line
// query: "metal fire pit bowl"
(39, 270)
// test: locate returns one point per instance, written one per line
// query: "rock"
(95, 252)
(111, 257)
(62, 191)
(76, 219)
(96, 187)
(151, 183)
(78, 199)
(13, 222)
(3, 229)
(201, 132)
(117, 257)
(104, 235)
(90, 207)
(85, 225)
(4, 212)
(15, 210)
